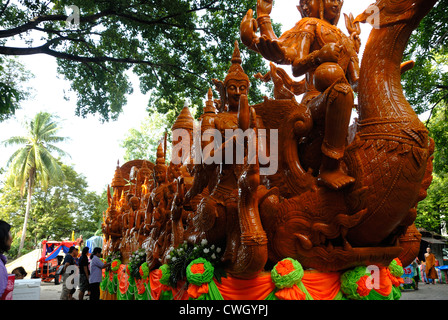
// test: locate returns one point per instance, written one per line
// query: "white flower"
(212, 247)
(218, 250)
(213, 256)
(204, 242)
(206, 250)
(174, 259)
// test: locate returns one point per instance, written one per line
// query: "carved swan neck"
(381, 94)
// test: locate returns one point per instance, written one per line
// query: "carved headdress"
(235, 72)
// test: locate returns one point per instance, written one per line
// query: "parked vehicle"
(47, 264)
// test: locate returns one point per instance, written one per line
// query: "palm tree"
(33, 162)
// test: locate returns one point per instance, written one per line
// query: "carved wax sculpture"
(357, 213)
(121, 221)
(339, 197)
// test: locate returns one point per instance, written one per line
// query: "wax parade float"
(318, 211)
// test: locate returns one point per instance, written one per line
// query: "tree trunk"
(27, 212)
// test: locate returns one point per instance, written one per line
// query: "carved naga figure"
(388, 161)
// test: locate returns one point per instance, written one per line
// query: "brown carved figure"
(315, 47)
(157, 212)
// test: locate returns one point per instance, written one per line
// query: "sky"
(94, 146)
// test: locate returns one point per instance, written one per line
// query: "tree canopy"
(142, 142)
(426, 85)
(33, 162)
(174, 47)
(64, 207)
(426, 88)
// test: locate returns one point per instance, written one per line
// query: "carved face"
(160, 175)
(234, 89)
(309, 8)
(332, 9)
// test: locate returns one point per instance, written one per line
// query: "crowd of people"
(88, 269)
(89, 272)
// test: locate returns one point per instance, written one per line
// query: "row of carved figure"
(341, 195)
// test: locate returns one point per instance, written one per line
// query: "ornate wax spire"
(209, 104)
(160, 155)
(118, 180)
(236, 71)
(185, 120)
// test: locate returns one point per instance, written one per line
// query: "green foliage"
(142, 143)
(438, 128)
(34, 161)
(64, 207)
(434, 209)
(426, 88)
(175, 48)
(426, 85)
(13, 75)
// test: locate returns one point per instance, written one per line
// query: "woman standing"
(83, 273)
(96, 273)
(5, 245)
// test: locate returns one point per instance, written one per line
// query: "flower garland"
(144, 271)
(142, 291)
(166, 274)
(354, 283)
(358, 283)
(179, 258)
(115, 265)
(200, 273)
(395, 274)
(135, 261)
(287, 275)
(112, 257)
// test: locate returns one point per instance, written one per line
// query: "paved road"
(50, 291)
(427, 292)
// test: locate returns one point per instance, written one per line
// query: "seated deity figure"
(316, 48)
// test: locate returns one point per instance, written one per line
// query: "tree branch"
(61, 17)
(433, 107)
(33, 23)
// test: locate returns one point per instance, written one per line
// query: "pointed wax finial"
(118, 180)
(160, 154)
(209, 104)
(236, 71)
(185, 120)
(236, 57)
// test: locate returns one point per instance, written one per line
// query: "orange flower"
(362, 286)
(284, 267)
(123, 279)
(195, 291)
(396, 281)
(198, 268)
(293, 293)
